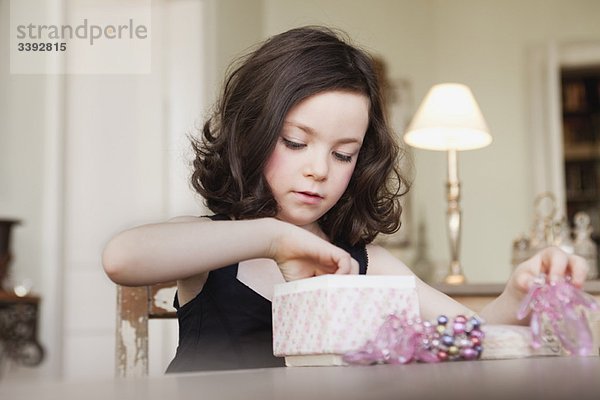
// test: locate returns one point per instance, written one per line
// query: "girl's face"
(316, 153)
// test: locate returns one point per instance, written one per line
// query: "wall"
(485, 45)
(30, 129)
(23, 117)
(85, 156)
(489, 51)
(238, 26)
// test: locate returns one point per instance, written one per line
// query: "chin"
(300, 219)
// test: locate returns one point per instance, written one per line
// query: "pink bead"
(442, 355)
(458, 327)
(477, 333)
(468, 353)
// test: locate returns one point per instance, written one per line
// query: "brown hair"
(239, 137)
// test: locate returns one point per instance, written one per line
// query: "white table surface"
(548, 378)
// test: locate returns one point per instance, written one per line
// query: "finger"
(527, 271)
(344, 265)
(578, 268)
(525, 279)
(330, 262)
(554, 262)
(327, 268)
(350, 266)
(327, 260)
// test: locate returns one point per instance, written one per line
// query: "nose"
(316, 167)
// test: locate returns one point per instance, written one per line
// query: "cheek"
(347, 176)
(274, 167)
(343, 178)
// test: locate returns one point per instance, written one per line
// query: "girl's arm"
(432, 302)
(188, 247)
(502, 310)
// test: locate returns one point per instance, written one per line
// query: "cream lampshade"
(449, 119)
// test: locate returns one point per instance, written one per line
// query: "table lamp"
(449, 119)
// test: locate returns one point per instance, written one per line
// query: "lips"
(309, 197)
(313, 194)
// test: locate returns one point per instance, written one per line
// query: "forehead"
(334, 112)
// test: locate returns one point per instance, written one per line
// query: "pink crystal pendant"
(561, 308)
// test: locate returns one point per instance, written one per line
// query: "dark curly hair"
(239, 137)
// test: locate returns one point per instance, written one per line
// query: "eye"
(342, 157)
(292, 145)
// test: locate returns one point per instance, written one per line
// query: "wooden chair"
(135, 306)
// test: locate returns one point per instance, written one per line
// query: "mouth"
(311, 198)
(311, 194)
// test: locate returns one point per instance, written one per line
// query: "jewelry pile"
(558, 314)
(400, 341)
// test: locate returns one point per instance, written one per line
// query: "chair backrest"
(135, 306)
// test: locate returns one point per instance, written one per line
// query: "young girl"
(300, 168)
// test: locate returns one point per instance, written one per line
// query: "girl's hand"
(302, 254)
(553, 262)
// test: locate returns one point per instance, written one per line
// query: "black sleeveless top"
(228, 325)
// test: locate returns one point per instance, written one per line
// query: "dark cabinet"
(581, 142)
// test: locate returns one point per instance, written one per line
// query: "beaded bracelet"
(401, 340)
(558, 309)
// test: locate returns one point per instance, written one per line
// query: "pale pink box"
(317, 320)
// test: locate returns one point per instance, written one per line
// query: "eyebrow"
(312, 132)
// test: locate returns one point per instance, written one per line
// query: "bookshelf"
(580, 109)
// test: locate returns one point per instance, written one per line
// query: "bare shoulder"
(382, 262)
(188, 218)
